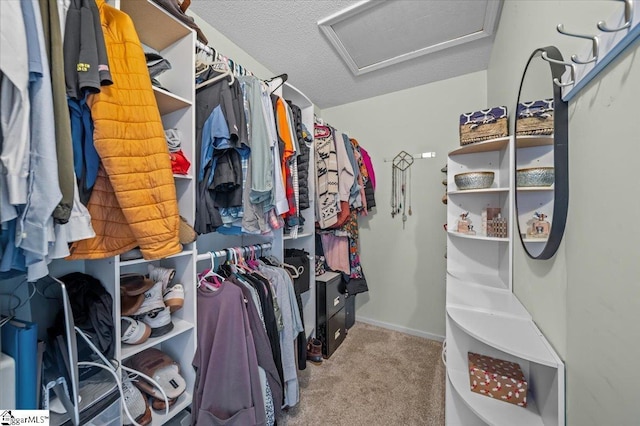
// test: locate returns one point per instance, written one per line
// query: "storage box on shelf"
(483, 315)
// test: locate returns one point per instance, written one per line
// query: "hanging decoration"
(400, 169)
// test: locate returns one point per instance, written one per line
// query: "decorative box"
(484, 124)
(488, 213)
(535, 118)
(498, 379)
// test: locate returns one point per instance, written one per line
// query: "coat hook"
(628, 15)
(595, 48)
(571, 66)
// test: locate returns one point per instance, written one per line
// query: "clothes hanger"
(226, 73)
(203, 279)
(283, 78)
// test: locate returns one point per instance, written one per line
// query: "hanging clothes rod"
(225, 253)
(236, 68)
(416, 156)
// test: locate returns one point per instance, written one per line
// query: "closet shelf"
(124, 263)
(535, 140)
(485, 280)
(179, 327)
(491, 411)
(535, 188)
(182, 177)
(159, 418)
(478, 191)
(168, 102)
(516, 336)
(477, 237)
(485, 146)
(478, 297)
(156, 27)
(303, 235)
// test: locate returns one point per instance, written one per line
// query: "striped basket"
(483, 125)
(535, 118)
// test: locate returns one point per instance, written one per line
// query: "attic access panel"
(374, 34)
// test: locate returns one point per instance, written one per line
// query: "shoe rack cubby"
(483, 314)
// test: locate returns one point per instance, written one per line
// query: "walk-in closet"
(378, 212)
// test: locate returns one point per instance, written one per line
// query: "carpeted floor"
(376, 377)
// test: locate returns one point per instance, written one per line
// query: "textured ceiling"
(284, 37)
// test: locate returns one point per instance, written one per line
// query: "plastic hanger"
(224, 74)
(203, 279)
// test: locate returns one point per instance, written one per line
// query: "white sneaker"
(163, 275)
(173, 297)
(133, 332)
(159, 320)
(152, 301)
(136, 403)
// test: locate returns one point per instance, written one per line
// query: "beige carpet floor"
(376, 377)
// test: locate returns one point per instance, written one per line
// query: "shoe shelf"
(179, 326)
(158, 417)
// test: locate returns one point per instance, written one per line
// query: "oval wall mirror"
(541, 155)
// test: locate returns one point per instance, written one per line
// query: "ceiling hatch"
(374, 34)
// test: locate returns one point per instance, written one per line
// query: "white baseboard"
(411, 331)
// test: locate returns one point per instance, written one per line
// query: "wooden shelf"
(155, 26)
(179, 327)
(492, 411)
(485, 146)
(478, 191)
(515, 336)
(477, 237)
(533, 140)
(168, 102)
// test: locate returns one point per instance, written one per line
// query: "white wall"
(405, 268)
(586, 299)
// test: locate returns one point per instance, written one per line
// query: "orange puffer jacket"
(133, 202)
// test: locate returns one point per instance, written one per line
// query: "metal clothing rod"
(225, 253)
(416, 156)
(235, 68)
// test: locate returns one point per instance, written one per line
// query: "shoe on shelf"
(160, 274)
(159, 320)
(152, 301)
(136, 402)
(133, 332)
(159, 405)
(173, 297)
(161, 368)
(314, 351)
(135, 284)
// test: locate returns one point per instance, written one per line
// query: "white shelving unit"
(483, 314)
(175, 42)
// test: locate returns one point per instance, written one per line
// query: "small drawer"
(329, 294)
(336, 332)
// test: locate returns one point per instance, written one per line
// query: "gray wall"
(586, 299)
(405, 268)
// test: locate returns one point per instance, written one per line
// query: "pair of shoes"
(172, 294)
(314, 350)
(136, 403)
(141, 300)
(164, 370)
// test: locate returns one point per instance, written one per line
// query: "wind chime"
(401, 187)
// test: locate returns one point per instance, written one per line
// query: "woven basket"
(483, 125)
(535, 118)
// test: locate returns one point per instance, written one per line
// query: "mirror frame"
(560, 155)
